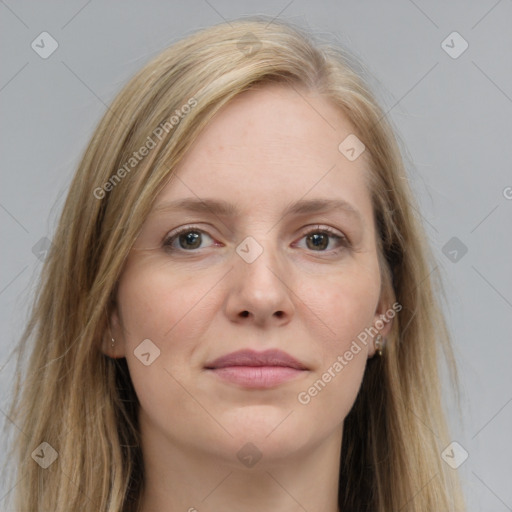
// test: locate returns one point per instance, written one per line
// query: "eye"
(320, 239)
(186, 239)
(190, 238)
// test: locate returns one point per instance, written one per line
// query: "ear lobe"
(383, 323)
(112, 342)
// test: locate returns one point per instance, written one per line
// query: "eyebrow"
(224, 208)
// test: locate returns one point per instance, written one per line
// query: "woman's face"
(263, 241)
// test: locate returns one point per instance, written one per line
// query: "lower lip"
(257, 376)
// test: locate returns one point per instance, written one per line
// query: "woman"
(238, 310)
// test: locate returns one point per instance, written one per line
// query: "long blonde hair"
(82, 403)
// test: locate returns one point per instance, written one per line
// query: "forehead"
(270, 147)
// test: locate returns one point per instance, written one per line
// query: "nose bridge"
(258, 282)
(258, 262)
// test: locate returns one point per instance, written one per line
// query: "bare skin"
(309, 293)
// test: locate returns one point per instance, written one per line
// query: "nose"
(258, 292)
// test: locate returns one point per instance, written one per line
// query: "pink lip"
(253, 369)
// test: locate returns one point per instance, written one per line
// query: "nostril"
(279, 314)
(245, 313)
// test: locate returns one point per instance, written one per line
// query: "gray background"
(453, 115)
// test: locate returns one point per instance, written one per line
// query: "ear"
(383, 321)
(112, 343)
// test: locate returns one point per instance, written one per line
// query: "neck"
(184, 479)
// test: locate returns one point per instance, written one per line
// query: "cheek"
(158, 304)
(171, 311)
(329, 396)
(344, 305)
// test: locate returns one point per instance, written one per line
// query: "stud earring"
(378, 344)
(110, 332)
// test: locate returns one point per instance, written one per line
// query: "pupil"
(317, 240)
(192, 238)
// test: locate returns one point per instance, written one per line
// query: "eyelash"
(341, 239)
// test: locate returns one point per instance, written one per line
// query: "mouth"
(251, 369)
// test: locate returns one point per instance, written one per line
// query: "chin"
(272, 430)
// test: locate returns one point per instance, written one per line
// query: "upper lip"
(271, 357)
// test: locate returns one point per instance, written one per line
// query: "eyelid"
(320, 227)
(181, 229)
